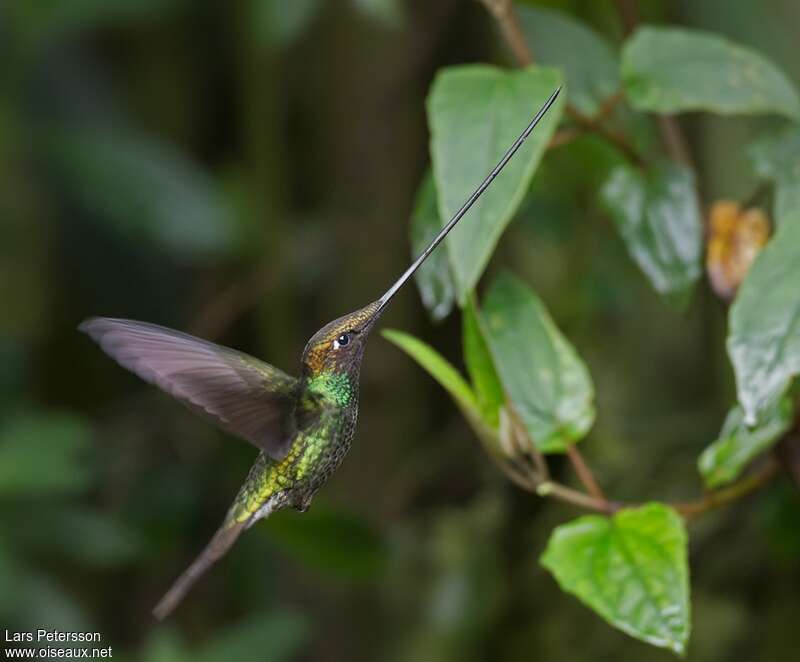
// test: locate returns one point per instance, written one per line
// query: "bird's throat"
(337, 388)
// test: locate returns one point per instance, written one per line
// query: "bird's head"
(339, 345)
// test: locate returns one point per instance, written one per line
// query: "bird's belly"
(315, 454)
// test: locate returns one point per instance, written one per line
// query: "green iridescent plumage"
(302, 426)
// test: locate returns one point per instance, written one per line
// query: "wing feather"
(241, 394)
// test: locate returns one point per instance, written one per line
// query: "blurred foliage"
(673, 70)
(249, 169)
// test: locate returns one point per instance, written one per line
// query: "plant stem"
(629, 13)
(726, 495)
(584, 473)
(674, 140)
(575, 497)
(506, 17)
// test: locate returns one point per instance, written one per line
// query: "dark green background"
(245, 171)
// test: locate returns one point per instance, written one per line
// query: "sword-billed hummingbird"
(303, 427)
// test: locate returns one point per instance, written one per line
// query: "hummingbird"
(301, 426)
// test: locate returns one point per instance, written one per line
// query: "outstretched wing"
(241, 394)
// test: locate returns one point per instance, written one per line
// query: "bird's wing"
(241, 394)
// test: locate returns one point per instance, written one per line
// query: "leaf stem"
(506, 17)
(724, 496)
(576, 497)
(584, 473)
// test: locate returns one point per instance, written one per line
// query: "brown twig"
(506, 17)
(674, 140)
(745, 486)
(576, 497)
(584, 472)
(565, 136)
(525, 444)
(628, 11)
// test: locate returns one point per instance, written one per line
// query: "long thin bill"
(470, 201)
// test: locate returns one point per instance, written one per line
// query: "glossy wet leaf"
(764, 323)
(631, 568)
(475, 112)
(657, 214)
(673, 70)
(738, 444)
(143, 189)
(735, 237)
(546, 380)
(42, 453)
(588, 61)
(480, 366)
(434, 279)
(776, 157)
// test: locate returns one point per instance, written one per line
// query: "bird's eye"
(341, 341)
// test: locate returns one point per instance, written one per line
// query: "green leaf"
(337, 543)
(777, 158)
(589, 63)
(541, 372)
(437, 367)
(434, 279)
(475, 112)
(764, 323)
(632, 569)
(452, 382)
(480, 366)
(738, 444)
(145, 190)
(672, 70)
(42, 453)
(657, 214)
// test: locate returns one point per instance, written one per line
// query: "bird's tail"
(222, 541)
